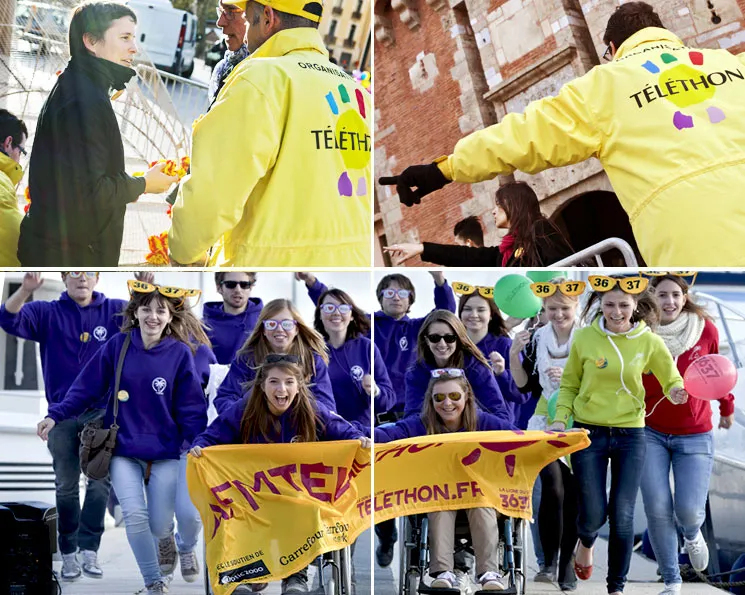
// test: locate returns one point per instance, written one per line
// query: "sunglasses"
(77, 275)
(390, 293)
(450, 338)
(276, 358)
(465, 289)
(287, 324)
(546, 289)
(440, 372)
(440, 397)
(692, 274)
(234, 284)
(331, 308)
(229, 14)
(630, 285)
(169, 292)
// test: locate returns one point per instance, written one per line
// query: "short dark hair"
(627, 20)
(94, 18)
(287, 20)
(220, 276)
(470, 229)
(12, 126)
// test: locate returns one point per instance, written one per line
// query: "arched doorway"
(595, 216)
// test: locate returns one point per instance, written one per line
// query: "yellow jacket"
(280, 165)
(10, 215)
(667, 123)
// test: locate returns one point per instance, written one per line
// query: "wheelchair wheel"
(520, 545)
(207, 586)
(412, 583)
(344, 557)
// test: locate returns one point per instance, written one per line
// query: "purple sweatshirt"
(166, 405)
(479, 375)
(226, 429)
(68, 335)
(396, 340)
(242, 370)
(412, 426)
(228, 332)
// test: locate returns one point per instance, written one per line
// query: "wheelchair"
(414, 552)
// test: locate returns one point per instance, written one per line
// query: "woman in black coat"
(78, 186)
(531, 240)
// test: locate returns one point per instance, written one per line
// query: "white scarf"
(550, 354)
(682, 333)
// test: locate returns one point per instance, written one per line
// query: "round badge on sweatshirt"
(601, 363)
(85, 337)
(123, 395)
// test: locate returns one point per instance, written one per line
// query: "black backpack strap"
(118, 376)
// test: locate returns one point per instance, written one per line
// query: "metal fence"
(155, 113)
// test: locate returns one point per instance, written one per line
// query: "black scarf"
(109, 75)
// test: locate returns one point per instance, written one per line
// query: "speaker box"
(29, 539)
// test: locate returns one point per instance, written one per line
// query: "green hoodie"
(602, 380)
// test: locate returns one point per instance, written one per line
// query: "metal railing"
(596, 250)
(26, 477)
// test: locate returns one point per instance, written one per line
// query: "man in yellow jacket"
(281, 164)
(13, 135)
(666, 121)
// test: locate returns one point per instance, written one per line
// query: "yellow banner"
(464, 470)
(269, 510)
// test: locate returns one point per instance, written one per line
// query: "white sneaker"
(157, 588)
(462, 582)
(444, 580)
(698, 552)
(70, 568)
(672, 589)
(492, 581)
(88, 560)
(189, 566)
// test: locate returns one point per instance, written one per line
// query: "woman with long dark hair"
(531, 240)
(77, 182)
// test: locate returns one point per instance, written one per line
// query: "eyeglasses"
(440, 397)
(229, 14)
(454, 372)
(276, 358)
(77, 275)
(630, 285)
(22, 150)
(241, 284)
(465, 289)
(608, 54)
(168, 292)
(331, 308)
(389, 293)
(287, 324)
(546, 289)
(450, 338)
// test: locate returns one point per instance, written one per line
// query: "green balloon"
(513, 296)
(540, 276)
(552, 402)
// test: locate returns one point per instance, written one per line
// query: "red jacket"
(694, 417)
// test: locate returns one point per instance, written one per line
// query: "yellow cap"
(308, 9)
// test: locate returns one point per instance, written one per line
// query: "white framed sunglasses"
(440, 372)
(390, 293)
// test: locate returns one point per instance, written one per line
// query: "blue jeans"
(187, 516)
(691, 458)
(149, 520)
(76, 528)
(534, 532)
(625, 449)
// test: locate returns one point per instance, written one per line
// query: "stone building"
(444, 68)
(345, 27)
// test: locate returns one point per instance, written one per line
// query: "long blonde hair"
(307, 341)
(258, 420)
(463, 344)
(430, 417)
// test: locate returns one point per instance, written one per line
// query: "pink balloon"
(710, 377)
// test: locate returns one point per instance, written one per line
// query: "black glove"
(426, 179)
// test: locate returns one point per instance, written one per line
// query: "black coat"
(551, 246)
(79, 189)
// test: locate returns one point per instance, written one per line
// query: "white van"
(167, 35)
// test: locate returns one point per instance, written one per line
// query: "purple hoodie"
(166, 405)
(228, 332)
(480, 376)
(514, 398)
(68, 335)
(226, 429)
(396, 340)
(242, 370)
(412, 426)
